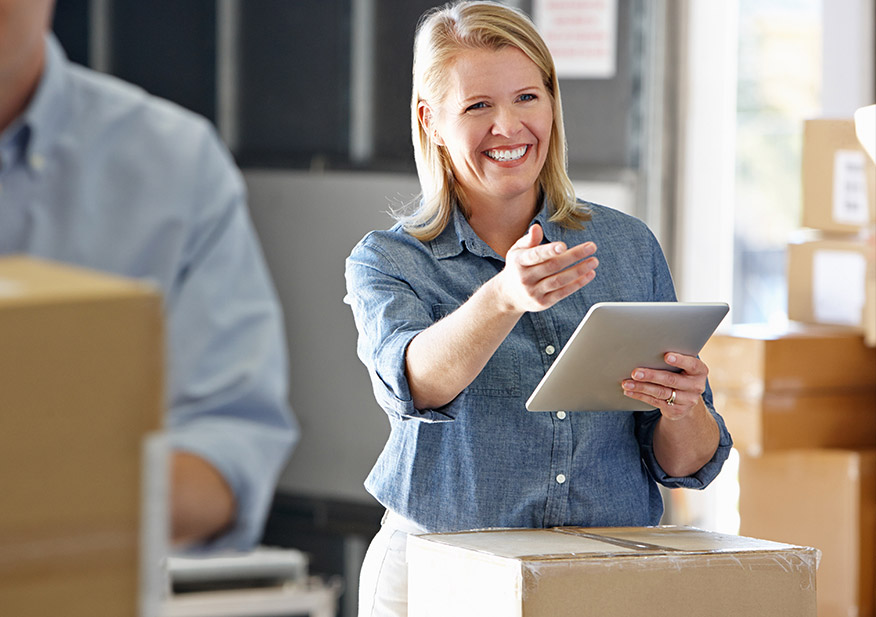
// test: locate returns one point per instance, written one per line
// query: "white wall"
(308, 224)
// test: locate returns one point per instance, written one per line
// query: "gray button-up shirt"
(483, 460)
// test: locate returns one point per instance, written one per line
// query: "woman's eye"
(480, 105)
(528, 97)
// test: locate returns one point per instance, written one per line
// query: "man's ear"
(427, 121)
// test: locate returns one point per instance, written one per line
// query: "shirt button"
(561, 478)
(37, 162)
(549, 350)
(561, 415)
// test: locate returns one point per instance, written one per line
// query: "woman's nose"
(506, 121)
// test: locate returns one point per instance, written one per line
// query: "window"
(778, 86)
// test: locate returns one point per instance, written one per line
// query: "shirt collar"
(30, 135)
(459, 235)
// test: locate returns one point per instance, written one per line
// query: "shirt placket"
(14, 212)
(558, 476)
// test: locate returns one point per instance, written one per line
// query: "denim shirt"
(483, 460)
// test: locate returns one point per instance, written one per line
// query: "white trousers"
(383, 580)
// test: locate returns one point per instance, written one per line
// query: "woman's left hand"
(676, 395)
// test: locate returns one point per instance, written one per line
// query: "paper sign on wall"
(850, 187)
(581, 35)
(838, 286)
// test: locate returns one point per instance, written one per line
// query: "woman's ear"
(427, 121)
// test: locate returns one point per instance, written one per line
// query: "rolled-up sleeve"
(645, 424)
(388, 315)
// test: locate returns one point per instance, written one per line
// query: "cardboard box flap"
(527, 544)
(668, 538)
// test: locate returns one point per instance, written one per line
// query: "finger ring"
(671, 400)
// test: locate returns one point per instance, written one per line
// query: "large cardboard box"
(839, 179)
(820, 498)
(607, 572)
(81, 361)
(830, 281)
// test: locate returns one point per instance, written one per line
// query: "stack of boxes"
(801, 405)
(800, 401)
(832, 277)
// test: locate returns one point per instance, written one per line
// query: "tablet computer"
(613, 339)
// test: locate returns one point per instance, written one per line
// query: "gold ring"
(671, 400)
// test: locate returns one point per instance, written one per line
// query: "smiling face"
(494, 122)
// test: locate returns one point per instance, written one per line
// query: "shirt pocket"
(501, 375)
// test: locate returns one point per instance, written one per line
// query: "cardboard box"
(786, 420)
(820, 498)
(828, 282)
(870, 313)
(838, 177)
(82, 366)
(751, 359)
(607, 572)
(801, 386)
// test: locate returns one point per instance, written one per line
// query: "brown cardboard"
(823, 139)
(870, 313)
(82, 363)
(607, 572)
(786, 419)
(748, 360)
(820, 498)
(831, 295)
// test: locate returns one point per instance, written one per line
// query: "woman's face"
(495, 123)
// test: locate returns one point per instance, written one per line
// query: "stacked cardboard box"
(81, 361)
(798, 387)
(832, 274)
(827, 499)
(599, 572)
(800, 403)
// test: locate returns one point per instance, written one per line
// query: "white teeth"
(506, 155)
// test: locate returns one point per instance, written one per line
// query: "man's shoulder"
(112, 101)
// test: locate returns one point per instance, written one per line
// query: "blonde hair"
(443, 33)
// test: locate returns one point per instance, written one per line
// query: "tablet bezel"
(614, 338)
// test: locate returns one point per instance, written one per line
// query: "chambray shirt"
(98, 173)
(483, 460)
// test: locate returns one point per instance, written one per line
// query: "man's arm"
(202, 504)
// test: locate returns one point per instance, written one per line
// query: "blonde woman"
(462, 306)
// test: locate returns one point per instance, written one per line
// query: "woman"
(462, 306)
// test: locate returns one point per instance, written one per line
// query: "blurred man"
(97, 173)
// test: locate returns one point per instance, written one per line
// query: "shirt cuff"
(391, 389)
(702, 477)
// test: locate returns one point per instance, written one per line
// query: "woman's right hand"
(537, 276)
(445, 358)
